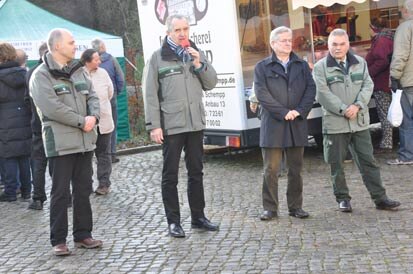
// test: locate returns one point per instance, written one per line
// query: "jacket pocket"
(335, 79)
(202, 109)
(173, 114)
(66, 138)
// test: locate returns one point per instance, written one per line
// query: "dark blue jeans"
(17, 169)
(406, 128)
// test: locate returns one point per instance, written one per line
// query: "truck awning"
(312, 3)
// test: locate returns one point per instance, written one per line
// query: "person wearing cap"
(378, 62)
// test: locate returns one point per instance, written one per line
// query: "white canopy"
(312, 3)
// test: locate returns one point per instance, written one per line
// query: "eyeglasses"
(285, 41)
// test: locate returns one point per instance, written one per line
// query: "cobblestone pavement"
(131, 222)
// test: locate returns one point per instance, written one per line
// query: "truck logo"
(195, 10)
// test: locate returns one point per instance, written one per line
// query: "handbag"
(395, 114)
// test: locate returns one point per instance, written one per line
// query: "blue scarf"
(179, 51)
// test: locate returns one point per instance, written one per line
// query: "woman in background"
(104, 89)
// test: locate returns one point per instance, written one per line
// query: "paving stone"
(130, 220)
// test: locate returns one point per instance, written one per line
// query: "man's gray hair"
(54, 37)
(170, 18)
(97, 43)
(337, 32)
(275, 33)
(42, 48)
(408, 4)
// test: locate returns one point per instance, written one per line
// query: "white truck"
(233, 34)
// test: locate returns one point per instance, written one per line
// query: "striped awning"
(312, 3)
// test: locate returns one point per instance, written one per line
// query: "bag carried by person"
(395, 114)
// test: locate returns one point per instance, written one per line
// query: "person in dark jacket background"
(38, 157)
(15, 131)
(286, 91)
(111, 65)
(378, 62)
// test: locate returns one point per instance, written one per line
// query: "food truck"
(234, 36)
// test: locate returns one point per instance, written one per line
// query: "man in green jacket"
(173, 84)
(344, 89)
(68, 108)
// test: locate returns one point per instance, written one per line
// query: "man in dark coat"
(285, 89)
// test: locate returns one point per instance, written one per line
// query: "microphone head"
(185, 43)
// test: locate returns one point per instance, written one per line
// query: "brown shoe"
(102, 190)
(89, 243)
(61, 250)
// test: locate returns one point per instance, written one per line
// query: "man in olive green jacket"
(69, 110)
(173, 84)
(344, 88)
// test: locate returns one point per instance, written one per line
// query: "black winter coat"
(15, 114)
(279, 92)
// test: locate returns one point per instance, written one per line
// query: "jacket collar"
(9, 64)
(168, 54)
(55, 69)
(273, 59)
(351, 60)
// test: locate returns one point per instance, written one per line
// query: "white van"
(234, 35)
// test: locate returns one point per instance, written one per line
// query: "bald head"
(62, 45)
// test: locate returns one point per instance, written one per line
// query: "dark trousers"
(113, 140)
(272, 158)
(335, 150)
(39, 165)
(104, 161)
(192, 144)
(17, 171)
(78, 169)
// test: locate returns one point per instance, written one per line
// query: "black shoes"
(176, 231)
(6, 198)
(205, 224)
(26, 196)
(345, 206)
(299, 213)
(115, 159)
(387, 204)
(267, 215)
(36, 205)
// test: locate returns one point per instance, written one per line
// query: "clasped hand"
(90, 122)
(351, 112)
(291, 115)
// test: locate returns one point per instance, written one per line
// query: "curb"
(136, 150)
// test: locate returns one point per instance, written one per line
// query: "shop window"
(256, 20)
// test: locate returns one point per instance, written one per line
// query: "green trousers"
(359, 143)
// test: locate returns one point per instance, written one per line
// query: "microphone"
(185, 44)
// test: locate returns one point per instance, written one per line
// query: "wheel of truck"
(318, 138)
